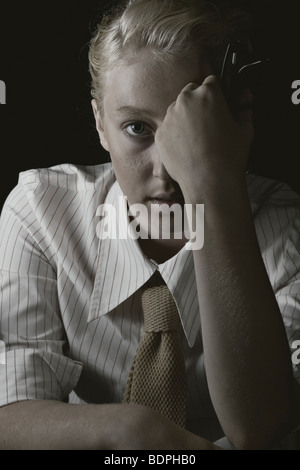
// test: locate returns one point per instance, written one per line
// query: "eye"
(137, 128)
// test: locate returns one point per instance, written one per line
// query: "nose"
(159, 170)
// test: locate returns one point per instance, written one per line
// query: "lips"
(167, 198)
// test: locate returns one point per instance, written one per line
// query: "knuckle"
(190, 87)
(211, 80)
(187, 92)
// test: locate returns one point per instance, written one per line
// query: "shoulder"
(36, 186)
(270, 192)
(274, 202)
(276, 212)
(69, 177)
(57, 204)
(58, 191)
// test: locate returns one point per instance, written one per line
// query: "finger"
(190, 87)
(211, 80)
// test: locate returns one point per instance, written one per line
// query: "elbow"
(250, 440)
(258, 438)
(260, 433)
(263, 426)
(246, 441)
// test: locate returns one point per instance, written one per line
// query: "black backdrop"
(47, 119)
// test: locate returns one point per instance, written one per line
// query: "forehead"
(143, 80)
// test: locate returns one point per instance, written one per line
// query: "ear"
(99, 125)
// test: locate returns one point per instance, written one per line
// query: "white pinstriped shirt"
(70, 308)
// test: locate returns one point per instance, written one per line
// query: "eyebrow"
(133, 111)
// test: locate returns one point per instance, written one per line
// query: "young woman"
(71, 317)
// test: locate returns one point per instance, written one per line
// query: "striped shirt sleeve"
(288, 291)
(34, 366)
(278, 230)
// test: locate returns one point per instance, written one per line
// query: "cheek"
(132, 161)
(134, 174)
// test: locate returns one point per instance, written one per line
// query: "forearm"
(245, 348)
(246, 353)
(52, 425)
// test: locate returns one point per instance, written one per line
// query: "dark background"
(48, 120)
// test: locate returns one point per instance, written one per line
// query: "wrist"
(217, 191)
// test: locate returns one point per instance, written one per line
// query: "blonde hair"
(169, 27)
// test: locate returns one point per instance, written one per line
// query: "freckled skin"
(151, 86)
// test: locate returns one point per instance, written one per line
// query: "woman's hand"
(199, 141)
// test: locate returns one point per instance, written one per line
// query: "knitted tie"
(157, 376)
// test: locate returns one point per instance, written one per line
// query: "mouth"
(167, 198)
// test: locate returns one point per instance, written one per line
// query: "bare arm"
(53, 425)
(247, 362)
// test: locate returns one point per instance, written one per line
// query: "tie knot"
(160, 311)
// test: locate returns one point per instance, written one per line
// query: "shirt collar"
(122, 268)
